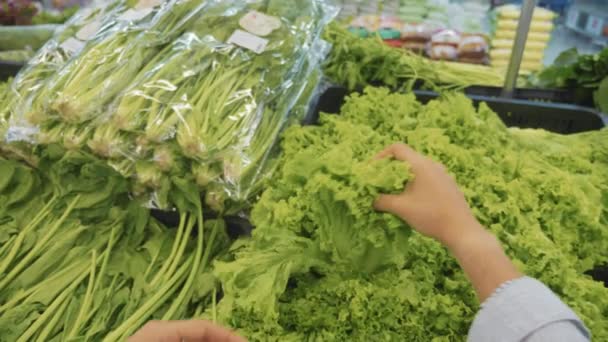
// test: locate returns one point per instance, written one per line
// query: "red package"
(394, 42)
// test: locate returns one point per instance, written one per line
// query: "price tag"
(87, 31)
(248, 41)
(135, 14)
(259, 24)
(594, 25)
(572, 18)
(72, 45)
(142, 4)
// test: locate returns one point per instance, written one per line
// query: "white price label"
(259, 24)
(135, 14)
(72, 45)
(248, 41)
(87, 31)
(572, 18)
(142, 4)
(594, 25)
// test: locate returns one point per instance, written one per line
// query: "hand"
(432, 203)
(178, 331)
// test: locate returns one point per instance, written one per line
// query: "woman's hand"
(434, 206)
(432, 203)
(187, 331)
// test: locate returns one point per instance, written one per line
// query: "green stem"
(41, 243)
(48, 329)
(182, 249)
(86, 301)
(23, 233)
(186, 290)
(150, 306)
(214, 304)
(52, 309)
(176, 243)
(76, 268)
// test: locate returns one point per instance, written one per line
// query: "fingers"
(204, 331)
(177, 331)
(401, 152)
(389, 204)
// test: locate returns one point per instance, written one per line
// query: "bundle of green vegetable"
(83, 87)
(177, 96)
(80, 260)
(27, 108)
(5, 101)
(322, 265)
(357, 62)
(586, 74)
(215, 103)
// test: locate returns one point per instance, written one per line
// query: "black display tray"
(554, 117)
(568, 96)
(9, 69)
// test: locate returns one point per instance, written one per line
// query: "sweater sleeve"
(526, 310)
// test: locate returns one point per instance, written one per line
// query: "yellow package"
(530, 55)
(508, 44)
(542, 37)
(525, 64)
(513, 12)
(535, 26)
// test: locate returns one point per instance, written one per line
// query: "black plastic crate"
(9, 69)
(554, 117)
(567, 96)
(236, 226)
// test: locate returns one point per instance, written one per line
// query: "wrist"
(469, 235)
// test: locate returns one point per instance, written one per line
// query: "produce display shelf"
(566, 96)
(554, 117)
(558, 118)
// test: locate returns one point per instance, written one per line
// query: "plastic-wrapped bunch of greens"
(213, 103)
(83, 88)
(30, 88)
(52, 56)
(196, 89)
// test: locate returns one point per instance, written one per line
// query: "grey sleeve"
(525, 310)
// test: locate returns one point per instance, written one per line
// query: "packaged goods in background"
(504, 35)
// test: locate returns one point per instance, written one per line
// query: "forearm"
(483, 260)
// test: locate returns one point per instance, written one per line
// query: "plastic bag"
(108, 64)
(195, 91)
(473, 46)
(227, 116)
(31, 86)
(444, 45)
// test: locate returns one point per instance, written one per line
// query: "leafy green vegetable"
(22, 37)
(18, 56)
(80, 260)
(587, 74)
(46, 17)
(322, 265)
(357, 62)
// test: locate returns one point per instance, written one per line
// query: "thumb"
(389, 203)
